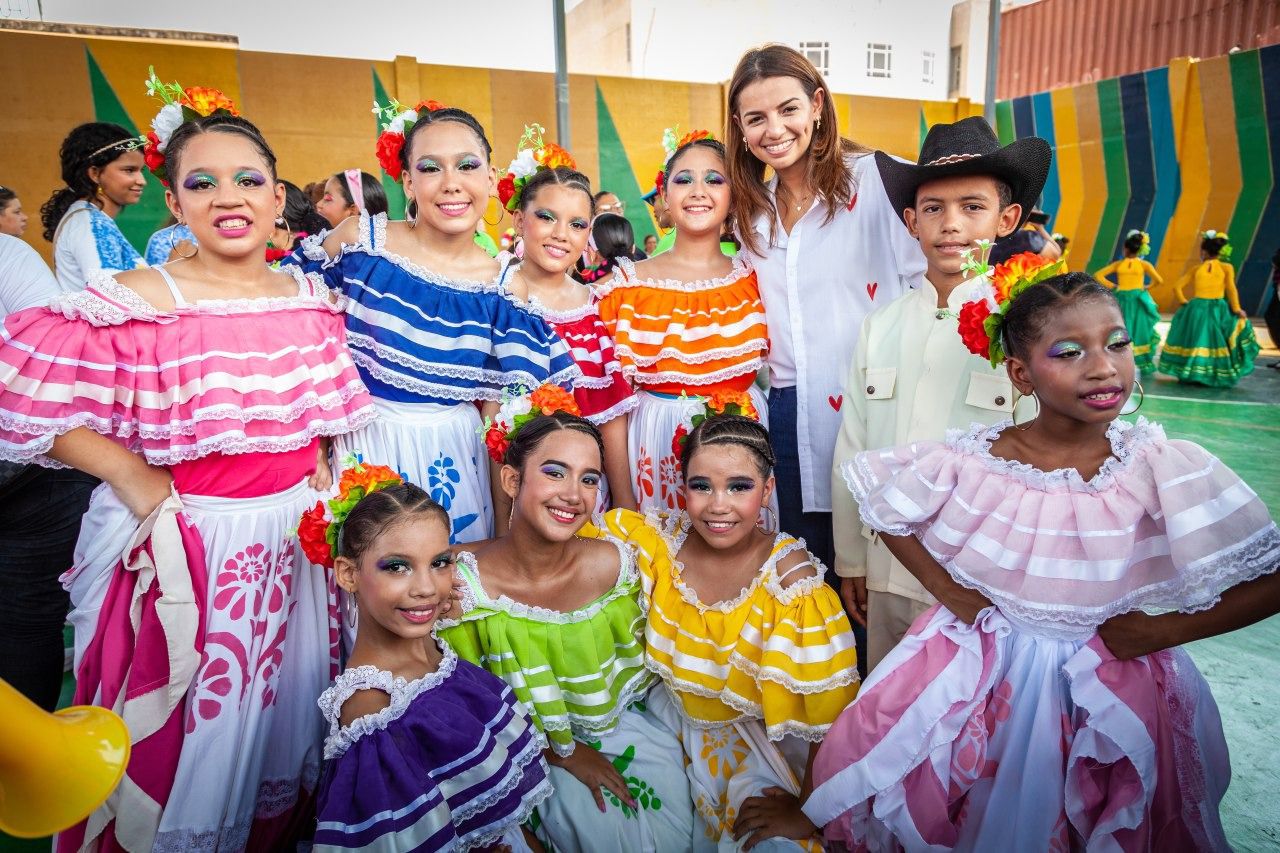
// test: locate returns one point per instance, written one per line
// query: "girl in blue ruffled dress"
(429, 329)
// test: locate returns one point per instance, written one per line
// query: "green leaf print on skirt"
(651, 760)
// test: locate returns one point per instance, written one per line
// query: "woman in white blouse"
(102, 169)
(827, 248)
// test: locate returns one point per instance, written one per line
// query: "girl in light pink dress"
(203, 393)
(1038, 706)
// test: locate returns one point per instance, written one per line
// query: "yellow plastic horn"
(55, 769)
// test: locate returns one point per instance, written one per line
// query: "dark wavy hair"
(533, 433)
(1213, 246)
(737, 430)
(86, 146)
(379, 510)
(1026, 316)
(614, 237)
(300, 215)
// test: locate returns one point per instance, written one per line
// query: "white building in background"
(887, 48)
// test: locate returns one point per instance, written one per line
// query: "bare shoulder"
(347, 233)
(797, 566)
(150, 285)
(363, 703)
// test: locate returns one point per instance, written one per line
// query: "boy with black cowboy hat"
(912, 378)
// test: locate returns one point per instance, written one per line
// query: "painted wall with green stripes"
(1173, 151)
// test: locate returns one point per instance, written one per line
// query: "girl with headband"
(350, 193)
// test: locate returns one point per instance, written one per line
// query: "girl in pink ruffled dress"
(203, 393)
(1038, 706)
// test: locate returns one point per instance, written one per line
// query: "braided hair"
(737, 430)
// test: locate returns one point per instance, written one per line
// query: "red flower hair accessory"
(319, 531)
(396, 120)
(719, 403)
(981, 318)
(179, 106)
(518, 409)
(532, 156)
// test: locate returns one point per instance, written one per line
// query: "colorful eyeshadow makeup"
(1063, 348)
(198, 179)
(253, 176)
(1119, 336)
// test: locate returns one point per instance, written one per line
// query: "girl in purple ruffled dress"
(425, 751)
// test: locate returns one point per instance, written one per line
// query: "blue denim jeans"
(38, 529)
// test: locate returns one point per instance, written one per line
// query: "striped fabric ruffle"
(234, 376)
(602, 391)
(671, 336)
(418, 337)
(783, 655)
(576, 671)
(1163, 525)
(453, 762)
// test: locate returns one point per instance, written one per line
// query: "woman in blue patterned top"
(429, 329)
(103, 170)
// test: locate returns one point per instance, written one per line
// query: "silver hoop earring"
(1142, 395)
(1030, 422)
(351, 610)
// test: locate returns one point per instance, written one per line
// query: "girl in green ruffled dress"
(1211, 341)
(559, 618)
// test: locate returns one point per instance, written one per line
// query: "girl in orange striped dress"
(687, 324)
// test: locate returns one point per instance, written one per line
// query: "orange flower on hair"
(368, 477)
(429, 105)
(206, 100)
(1020, 267)
(548, 399)
(721, 401)
(553, 156)
(693, 136)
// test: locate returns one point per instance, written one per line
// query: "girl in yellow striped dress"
(754, 649)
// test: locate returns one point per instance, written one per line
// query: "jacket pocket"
(993, 393)
(880, 382)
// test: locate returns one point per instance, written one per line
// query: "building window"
(879, 60)
(926, 73)
(819, 53)
(955, 69)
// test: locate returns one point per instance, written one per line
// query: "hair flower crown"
(319, 531)
(179, 105)
(532, 156)
(517, 409)
(396, 120)
(1145, 248)
(670, 145)
(719, 403)
(1211, 234)
(982, 317)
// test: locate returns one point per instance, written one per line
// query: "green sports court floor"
(1242, 427)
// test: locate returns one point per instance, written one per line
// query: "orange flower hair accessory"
(981, 318)
(518, 409)
(719, 403)
(670, 144)
(532, 156)
(396, 120)
(179, 107)
(320, 531)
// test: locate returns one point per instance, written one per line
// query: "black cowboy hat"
(969, 147)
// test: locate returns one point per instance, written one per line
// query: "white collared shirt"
(912, 379)
(817, 284)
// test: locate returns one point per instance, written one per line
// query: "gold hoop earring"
(1030, 422)
(771, 524)
(500, 209)
(195, 247)
(1142, 396)
(100, 192)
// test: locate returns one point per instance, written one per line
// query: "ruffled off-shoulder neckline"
(1127, 441)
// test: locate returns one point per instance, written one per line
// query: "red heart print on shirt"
(872, 287)
(852, 201)
(836, 402)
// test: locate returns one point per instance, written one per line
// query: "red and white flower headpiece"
(396, 120)
(982, 317)
(670, 144)
(518, 409)
(532, 156)
(179, 106)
